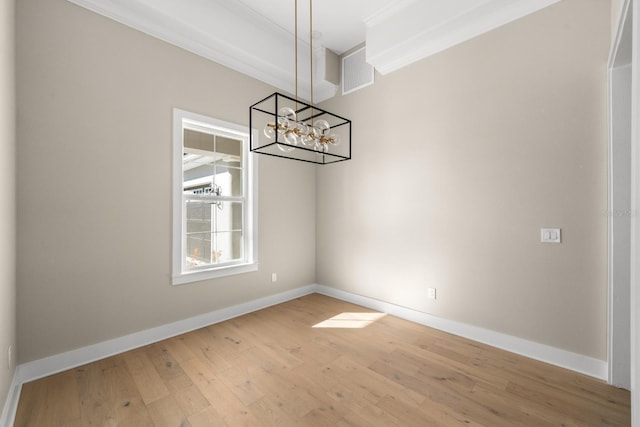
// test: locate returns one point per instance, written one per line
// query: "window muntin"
(213, 197)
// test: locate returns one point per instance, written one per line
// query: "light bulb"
(322, 125)
(335, 139)
(291, 138)
(268, 131)
(286, 120)
(287, 113)
(314, 134)
(283, 124)
(302, 128)
(306, 140)
(304, 134)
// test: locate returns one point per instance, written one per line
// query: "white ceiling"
(255, 37)
(338, 25)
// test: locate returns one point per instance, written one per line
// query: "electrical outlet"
(9, 357)
(274, 277)
(550, 235)
(431, 293)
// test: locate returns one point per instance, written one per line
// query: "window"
(214, 220)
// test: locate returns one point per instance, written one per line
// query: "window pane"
(198, 249)
(198, 140)
(198, 238)
(199, 171)
(198, 180)
(228, 217)
(229, 151)
(228, 246)
(214, 232)
(229, 180)
(198, 217)
(198, 162)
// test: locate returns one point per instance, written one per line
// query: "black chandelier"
(297, 130)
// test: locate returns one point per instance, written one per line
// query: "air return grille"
(356, 73)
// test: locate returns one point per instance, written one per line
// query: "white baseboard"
(11, 405)
(61, 362)
(544, 353)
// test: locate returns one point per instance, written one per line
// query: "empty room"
(297, 212)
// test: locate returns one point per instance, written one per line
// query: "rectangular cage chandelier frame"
(296, 130)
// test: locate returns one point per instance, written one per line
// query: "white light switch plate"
(550, 235)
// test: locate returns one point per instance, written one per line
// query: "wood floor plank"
(281, 355)
(294, 401)
(277, 367)
(543, 415)
(30, 406)
(227, 341)
(269, 411)
(570, 382)
(145, 376)
(321, 417)
(369, 415)
(168, 368)
(207, 418)
(64, 407)
(335, 399)
(59, 402)
(202, 348)
(166, 412)
(93, 396)
(559, 401)
(406, 412)
(219, 396)
(191, 401)
(370, 385)
(242, 383)
(499, 408)
(179, 349)
(124, 399)
(468, 367)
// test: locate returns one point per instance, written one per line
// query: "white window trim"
(178, 276)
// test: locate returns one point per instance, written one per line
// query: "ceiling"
(255, 37)
(338, 25)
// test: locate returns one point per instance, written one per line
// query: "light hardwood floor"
(273, 368)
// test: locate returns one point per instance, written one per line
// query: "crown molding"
(414, 30)
(223, 32)
(234, 35)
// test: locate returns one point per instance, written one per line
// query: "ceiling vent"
(356, 72)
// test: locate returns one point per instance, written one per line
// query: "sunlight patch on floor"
(350, 320)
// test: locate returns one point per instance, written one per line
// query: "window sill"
(216, 273)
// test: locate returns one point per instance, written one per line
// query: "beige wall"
(7, 197)
(95, 103)
(459, 160)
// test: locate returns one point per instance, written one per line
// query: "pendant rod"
(311, 53)
(296, 48)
